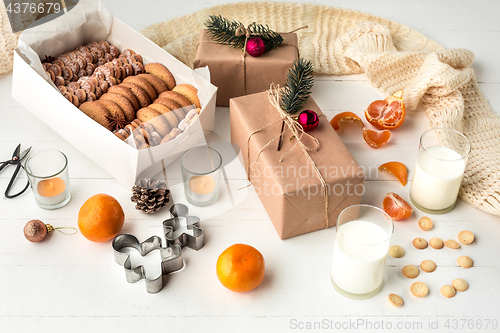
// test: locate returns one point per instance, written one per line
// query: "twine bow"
(298, 133)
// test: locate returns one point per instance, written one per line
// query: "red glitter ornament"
(308, 119)
(255, 47)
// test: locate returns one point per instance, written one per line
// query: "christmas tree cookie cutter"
(171, 259)
(187, 228)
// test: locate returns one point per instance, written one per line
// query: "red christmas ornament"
(255, 46)
(308, 119)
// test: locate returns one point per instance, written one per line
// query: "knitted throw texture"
(341, 41)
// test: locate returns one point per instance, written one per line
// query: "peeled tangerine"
(388, 113)
(398, 169)
(375, 139)
(396, 207)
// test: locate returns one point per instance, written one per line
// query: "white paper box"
(88, 21)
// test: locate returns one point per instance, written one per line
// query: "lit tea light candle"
(47, 171)
(201, 184)
(201, 171)
(51, 187)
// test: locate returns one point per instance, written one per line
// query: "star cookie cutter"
(171, 259)
(191, 235)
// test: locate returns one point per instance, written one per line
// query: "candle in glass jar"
(51, 187)
(201, 184)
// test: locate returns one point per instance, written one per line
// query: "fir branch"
(299, 82)
(223, 31)
(271, 39)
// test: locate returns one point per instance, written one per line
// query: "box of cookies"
(116, 96)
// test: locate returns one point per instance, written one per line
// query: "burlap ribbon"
(297, 134)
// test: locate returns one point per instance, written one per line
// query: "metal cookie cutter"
(186, 227)
(171, 259)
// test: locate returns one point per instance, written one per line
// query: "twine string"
(298, 132)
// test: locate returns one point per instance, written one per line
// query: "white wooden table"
(68, 283)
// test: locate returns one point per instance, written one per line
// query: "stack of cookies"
(122, 94)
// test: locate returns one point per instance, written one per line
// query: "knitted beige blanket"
(340, 41)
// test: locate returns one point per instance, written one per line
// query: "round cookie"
(419, 289)
(139, 93)
(396, 251)
(123, 103)
(159, 123)
(410, 271)
(97, 112)
(425, 223)
(465, 237)
(169, 116)
(162, 73)
(190, 92)
(419, 243)
(465, 262)
(451, 244)
(428, 266)
(127, 93)
(113, 110)
(395, 300)
(157, 83)
(172, 105)
(436, 243)
(176, 97)
(448, 291)
(460, 284)
(144, 85)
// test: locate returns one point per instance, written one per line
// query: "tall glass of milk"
(442, 157)
(361, 245)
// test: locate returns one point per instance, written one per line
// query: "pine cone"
(150, 195)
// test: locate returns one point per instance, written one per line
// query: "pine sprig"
(299, 82)
(271, 39)
(223, 31)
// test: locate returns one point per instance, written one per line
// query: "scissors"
(15, 160)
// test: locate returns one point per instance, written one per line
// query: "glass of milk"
(441, 161)
(361, 245)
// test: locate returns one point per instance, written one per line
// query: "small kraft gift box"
(303, 187)
(237, 73)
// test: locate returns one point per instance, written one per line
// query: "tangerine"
(396, 207)
(388, 113)
(240, 268)
(376, 139)
(345, 116)
(100, 218)
(398, 169)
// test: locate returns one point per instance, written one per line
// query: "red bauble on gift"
(308, 119)
(256, 47)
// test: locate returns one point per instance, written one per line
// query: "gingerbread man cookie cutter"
(171, 259)
(187, 228)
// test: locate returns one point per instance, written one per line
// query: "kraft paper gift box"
(237, 74)
(87, 21)
(290, 190)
